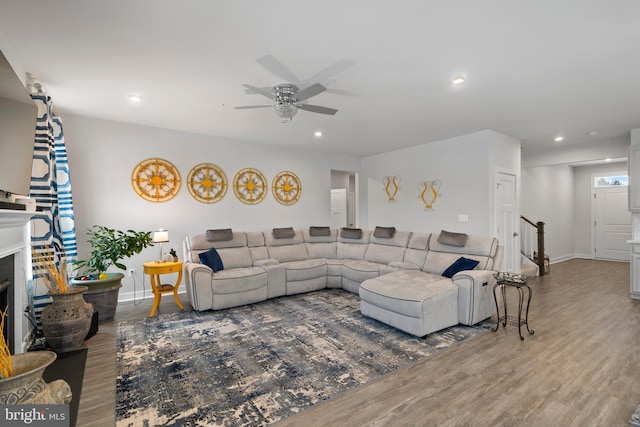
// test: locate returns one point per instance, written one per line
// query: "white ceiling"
(534, 69)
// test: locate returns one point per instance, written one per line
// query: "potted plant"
(108, 248)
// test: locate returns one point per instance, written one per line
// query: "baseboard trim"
(139, 295)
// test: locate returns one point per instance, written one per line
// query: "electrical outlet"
(132, 272)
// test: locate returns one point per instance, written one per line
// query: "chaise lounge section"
(397, 274)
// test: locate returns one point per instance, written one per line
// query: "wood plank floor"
(580, 368)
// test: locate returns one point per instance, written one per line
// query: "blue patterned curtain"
(53, 228)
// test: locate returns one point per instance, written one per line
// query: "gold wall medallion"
(155, 180)
(286, 188)
(207, 183)
(250, 186)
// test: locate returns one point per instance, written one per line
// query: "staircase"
(532, 244)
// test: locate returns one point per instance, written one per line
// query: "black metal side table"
(518, 281)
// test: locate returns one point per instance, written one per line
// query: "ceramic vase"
(66, 321)
(27, 386)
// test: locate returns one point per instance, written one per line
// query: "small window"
(612, 181)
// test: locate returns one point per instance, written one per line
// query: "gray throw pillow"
(220, 235)
(283, 233)
(384, 232)
(351, 233)
(319, 231)
(452, 239)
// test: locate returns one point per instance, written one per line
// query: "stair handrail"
(539, 260)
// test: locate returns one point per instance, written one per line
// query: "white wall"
(548, 197)
(103, 154)
(465, 167)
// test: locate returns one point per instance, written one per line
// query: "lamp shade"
(160, 236)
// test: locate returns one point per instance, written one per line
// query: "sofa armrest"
(197, 273)
(265, 262)
(475, 295)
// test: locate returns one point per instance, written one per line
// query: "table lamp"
(160, 236)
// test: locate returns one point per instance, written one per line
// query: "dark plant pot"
(103, 294)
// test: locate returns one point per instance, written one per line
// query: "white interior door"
(338, 208)
(612, 223)
(506, 224)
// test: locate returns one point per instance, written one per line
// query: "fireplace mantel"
(14, 240)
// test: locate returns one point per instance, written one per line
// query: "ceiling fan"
(287, 99)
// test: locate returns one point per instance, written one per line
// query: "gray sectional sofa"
(397, 274)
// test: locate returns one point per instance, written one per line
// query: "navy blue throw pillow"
(461, 264)
(212, 259)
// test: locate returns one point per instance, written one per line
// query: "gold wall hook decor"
(429, 192)
(391, 186)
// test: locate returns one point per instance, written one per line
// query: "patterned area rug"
(257, 364)
(635, 418)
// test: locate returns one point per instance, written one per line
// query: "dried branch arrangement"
(6, 370)
(54, 277)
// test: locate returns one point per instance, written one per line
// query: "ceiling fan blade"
(310, 91)
(331, 70)
(318, 109)
(249, 91)
(277, 68)
(260, 91)
(343, 92)
(245, 107)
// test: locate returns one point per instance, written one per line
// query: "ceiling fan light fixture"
(285, 110)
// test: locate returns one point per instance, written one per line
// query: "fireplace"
(14, 244)
(7, 300)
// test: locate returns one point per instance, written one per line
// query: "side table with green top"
(517, 281)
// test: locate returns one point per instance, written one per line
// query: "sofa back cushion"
(416, 252)
(257, 249)
(441, 256)
(288, 253)
(353, 248)
(234, 253)
(383, 254)
(235, 257)
(384, 250)
(322, 250)
(319, 244)
(286, 249)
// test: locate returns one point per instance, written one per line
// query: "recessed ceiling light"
(135, 98)
(318, 134)
(593, 132)
(458, 80)
(558, 138)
